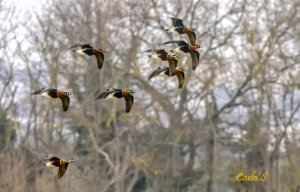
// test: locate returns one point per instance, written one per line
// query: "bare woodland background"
(239, 111)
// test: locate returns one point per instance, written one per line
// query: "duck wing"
(157, 72)
(38, 91)
(64, 99)
(108, 93)
(52, 158)
(81, 45)
(161, 51)
(100, 60)
(195, 58)
(192, 37)
(180, 77)
(62, 169)
(176, 22)
(102, 95)
(129, 102)
(179, 43)
(152, 50)
(172, 66)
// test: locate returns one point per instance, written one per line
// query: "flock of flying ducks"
(127, 94)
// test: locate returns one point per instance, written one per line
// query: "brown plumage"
(162, 55)
(54, 93)
(179, 28)
(119, 93)
(61, 164)
(179, 72)
(187, 48)
(87, 49)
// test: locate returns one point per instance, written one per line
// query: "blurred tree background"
(237, 112)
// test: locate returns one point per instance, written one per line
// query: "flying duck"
(62, 164)
(118, 93)
(187, 48)
(179, 28)
(87, 49)
(179, 72)
(54, 93)
(162, 55)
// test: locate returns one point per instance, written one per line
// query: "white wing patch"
(110, 96)
(177, 50)
(45, 94)
(80, 52)
(48, 164)
(172, 30)
(163, 74)
(155, 56)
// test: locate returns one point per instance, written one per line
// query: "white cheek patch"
(80, 52)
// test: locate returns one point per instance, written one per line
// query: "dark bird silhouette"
(118, 93)
(87, 49)
(162, 55)
(179, 72)
(187, 48)
(179, 28)
(61, 164)
(54, 93)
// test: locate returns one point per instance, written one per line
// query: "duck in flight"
(54, 93)
(179, 72)
(61, 164)
(127, 94)
(179, 28)
(87, 49)
(162, 55)
(184, 47)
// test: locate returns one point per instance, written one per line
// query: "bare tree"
(237, 112)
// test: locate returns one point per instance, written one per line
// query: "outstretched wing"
(52, 158)
(195, 58)
(129, 102)
(192, 37)
(64, 99)
(172, 66)
(179, 43)
(154, 73)
(158, 51)
(52, 161)
(108, 93)
(176, 22)
(85, 45)
(149, 50)
(102, 95)
(161, 52)
(37, 92)
(180, 77)
(157, 72)
(62, 170)
(82, 45)
(100, 60)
